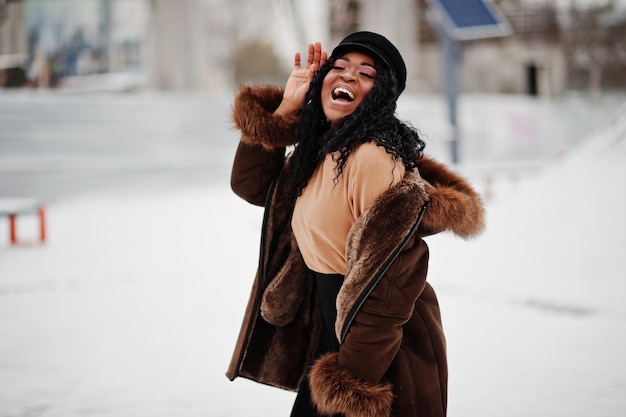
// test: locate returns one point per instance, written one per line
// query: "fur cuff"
(453, 204)
(458, 212)
(253, 114)
(335, 390)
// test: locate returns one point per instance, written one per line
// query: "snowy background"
(132, 306)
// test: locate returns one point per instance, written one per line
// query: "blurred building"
(65, 38)
(531, 60)
(554, 46)
(596, 46)
(12, 27)
(217, 44)
(13, 43)
(61, 38)
(397, 20)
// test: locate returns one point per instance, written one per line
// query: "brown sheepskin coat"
(392, 360)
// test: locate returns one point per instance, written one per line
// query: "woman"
(340, 309)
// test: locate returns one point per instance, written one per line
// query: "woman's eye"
(368, 74)
(340, 64)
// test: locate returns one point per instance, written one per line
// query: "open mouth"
(341, 93)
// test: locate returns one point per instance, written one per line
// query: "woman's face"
(347, 84)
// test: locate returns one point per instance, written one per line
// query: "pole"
(451, 86)
(107, 33)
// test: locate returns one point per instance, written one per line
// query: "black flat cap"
(379, 47)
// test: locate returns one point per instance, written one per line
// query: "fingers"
(324, 57)
(311, 55)
(312, 70)
(296, 61)
(317, 56)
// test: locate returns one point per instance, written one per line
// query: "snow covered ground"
(133, 305)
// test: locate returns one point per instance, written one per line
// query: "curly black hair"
(373, 121)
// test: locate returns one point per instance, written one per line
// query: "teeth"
(343, 91)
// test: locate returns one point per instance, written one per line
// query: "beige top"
(324, 213)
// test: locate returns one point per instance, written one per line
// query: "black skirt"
(328, 286)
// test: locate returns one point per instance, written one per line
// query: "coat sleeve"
(351, 381)
(254, 169)
(376, 332)
(264, 138)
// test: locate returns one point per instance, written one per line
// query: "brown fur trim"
(453, 206)
(334, 390)
(366, 252)
(284, 294)
(253, 114)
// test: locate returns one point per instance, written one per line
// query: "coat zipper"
(383, 269)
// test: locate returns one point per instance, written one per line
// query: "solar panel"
(469, 19)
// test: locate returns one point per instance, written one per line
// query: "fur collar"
(375, 236)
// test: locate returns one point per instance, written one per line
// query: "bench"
(13, 207)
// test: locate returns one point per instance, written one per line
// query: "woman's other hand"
(300, 79)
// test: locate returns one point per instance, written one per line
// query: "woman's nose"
(348, 75)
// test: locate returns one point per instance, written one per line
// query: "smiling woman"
(347, 84)
(341, 311)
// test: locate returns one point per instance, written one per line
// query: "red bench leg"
(12, 228)
(42, 224)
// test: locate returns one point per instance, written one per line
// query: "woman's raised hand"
(300, 79)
